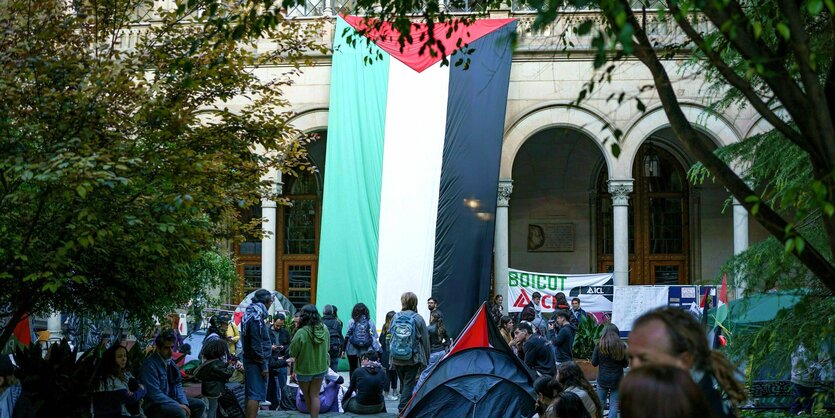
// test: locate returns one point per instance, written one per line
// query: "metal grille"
(299, 285)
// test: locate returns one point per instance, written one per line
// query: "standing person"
(280, 340)
(361, 335)
(563, 340)
(497, 310)
(432, 305)
(309, 348)
(438, 344)
(165, 397)
(213, 373)
(390, 392)
(560, 302)
(672, 336)
(662, 391)
(214, 331)
(506, 328)
(257, 350)
(13, 401)
(233, 335)
(116, 393)
(577, 312)
(368, 382)
(336, 349)
(409, 349)
(610, 355)
(530, 311)
(534, 350)
(571, 377)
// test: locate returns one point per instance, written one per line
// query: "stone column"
(740, 239)
(53, 325)
(268, 249)
(620, 190)
(500, 242)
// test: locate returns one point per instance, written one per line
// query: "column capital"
(620, 190)
(505, 189)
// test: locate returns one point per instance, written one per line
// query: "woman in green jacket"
(309, 348)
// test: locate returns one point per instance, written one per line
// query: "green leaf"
(81, 190)
(584, 27)
(758, 29)
(615, 149)
(784, 30)
(814, 7)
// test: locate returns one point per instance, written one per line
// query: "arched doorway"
(659, 238)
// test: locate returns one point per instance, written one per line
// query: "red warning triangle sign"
(523, 300)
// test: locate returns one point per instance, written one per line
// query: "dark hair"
(370, 355)
(389, 317)
(329, 310)
(438, 319)
(108, 367)
(309, 316)
(569, 405)
(610, 344)
(576, 300)
(280, 316)
(262, 296)
(559, 299)
(536, 295)
(505, 319)
(185, 348)
(408, 302)
(166, 335)
(496, 297)
(525, 326)
(359, 311)
(547, 386)
(213, 329)
(563, 313)
(686, 335)
(432, 299)
(214, 349)
(667, 391)
(569, 374)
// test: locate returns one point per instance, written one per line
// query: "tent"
(749, 314)
(479, 377)
(280, 304)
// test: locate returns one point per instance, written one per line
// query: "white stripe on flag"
(412, 157)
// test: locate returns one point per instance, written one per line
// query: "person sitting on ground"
(13, 400)
(546, 389)
(610, 356)
(165, 397)
(330, 394)
(661, 391)
(672, 336)
(116, 394)
(567, 405)
(368, 382)
(535, 351)
(571, 377)
(214, 373)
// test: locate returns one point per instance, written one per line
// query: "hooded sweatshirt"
(310, 349)
(368, 382)
(563, 341)
(257, 345)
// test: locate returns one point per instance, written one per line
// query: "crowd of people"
(672, 370)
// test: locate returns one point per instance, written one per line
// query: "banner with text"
(594, 290)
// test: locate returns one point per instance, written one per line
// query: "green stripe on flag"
(353, 175)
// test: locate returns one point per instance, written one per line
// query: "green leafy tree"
(121, 167)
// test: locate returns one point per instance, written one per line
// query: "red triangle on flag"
(523, 300)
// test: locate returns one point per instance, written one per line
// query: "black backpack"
(337, 341)
(231, 401)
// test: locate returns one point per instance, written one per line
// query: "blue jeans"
(612, 394)
(196, 406)
(275, 387)
(212, 411)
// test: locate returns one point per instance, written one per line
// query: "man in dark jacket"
(257, 350)
(535, 351)
(577, 312)
(161, 377)
(280, 340)
(368, 382)
(563, 339)
(529, 312)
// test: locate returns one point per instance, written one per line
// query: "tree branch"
(733, 78)
(697, 146)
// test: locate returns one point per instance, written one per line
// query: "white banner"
(594, 290)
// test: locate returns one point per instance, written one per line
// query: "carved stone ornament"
(620, 193)
(505, 189)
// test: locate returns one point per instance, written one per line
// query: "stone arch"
(714, 126)
(309, 120)
(553, 116)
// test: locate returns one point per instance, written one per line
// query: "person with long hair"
(610, 357)
(116, 393)
(497, 310)
(438, 343)
(547, 389)
(567, 405)
(506, 328)
(309, 349)
(390, 392)
(361, 336)
(662, 391)
(672, 336)
(571, 377)
(213, 373)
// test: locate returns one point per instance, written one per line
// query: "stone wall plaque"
(550, 237)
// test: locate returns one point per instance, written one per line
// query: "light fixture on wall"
(652, 164)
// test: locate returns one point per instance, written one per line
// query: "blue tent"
(479, 377)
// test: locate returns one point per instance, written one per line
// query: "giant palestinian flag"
(412, 169)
